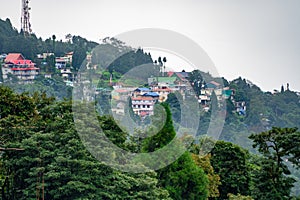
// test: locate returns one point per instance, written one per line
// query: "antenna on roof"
(25, 18)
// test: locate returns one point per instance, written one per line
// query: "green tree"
(54, 163)
(79, 56)
(184, 179)
(230, 163)
(164, 136)
(50, 63)
(53, 42)
(214, 179)
(278, 146)
(239, 197)
(196, 80)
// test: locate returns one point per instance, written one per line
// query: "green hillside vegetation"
(42, 157)
(12, 41)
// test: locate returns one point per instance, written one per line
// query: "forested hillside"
(42, 155)
(13, 41)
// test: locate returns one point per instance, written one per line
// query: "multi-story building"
(143, 105)
(23, 69)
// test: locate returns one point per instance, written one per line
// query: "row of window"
(139, 106)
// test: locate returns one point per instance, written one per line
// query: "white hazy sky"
(256, 39)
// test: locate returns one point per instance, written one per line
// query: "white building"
(143, 106)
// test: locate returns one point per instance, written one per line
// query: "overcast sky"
(256, 39)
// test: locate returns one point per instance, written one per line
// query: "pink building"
(23, 69)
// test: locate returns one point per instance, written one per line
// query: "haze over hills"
(264, 109)
(46, 119)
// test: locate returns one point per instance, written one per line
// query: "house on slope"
(181, 77)
(141, 91)
(143, 105)
(15, 64)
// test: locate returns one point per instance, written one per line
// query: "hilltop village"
(143, 98)
(42, 155)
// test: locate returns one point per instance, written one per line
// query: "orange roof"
(121, 91)
(14, 56)
(141, 98)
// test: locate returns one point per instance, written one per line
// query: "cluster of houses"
(62, 64)
(143, 99)
(26, 70)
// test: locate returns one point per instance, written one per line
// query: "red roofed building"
(143, 106)
(13, 56)
(23, 69)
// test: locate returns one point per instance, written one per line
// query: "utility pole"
(25, 18)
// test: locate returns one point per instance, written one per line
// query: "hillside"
(264, 109)
(13, 41)
(43, 154)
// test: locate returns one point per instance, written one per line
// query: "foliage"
(213, 179)
(164, 136)
(53, 163)
(54, 86)
(278, 146)
(130, 60)
(239, 197)
(184, 179)
(12, 41)
(230, 163)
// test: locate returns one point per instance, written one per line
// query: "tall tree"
(230, 163)
(183, 178)
(278, 146)
(213, 178)
(53, 42)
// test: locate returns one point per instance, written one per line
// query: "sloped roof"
(121, 91)
(183, 74)
(170, 73)
(142, 89)
(142, 98)
(14, 56)
(152, 94)
(215, 83)
(70, 53)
